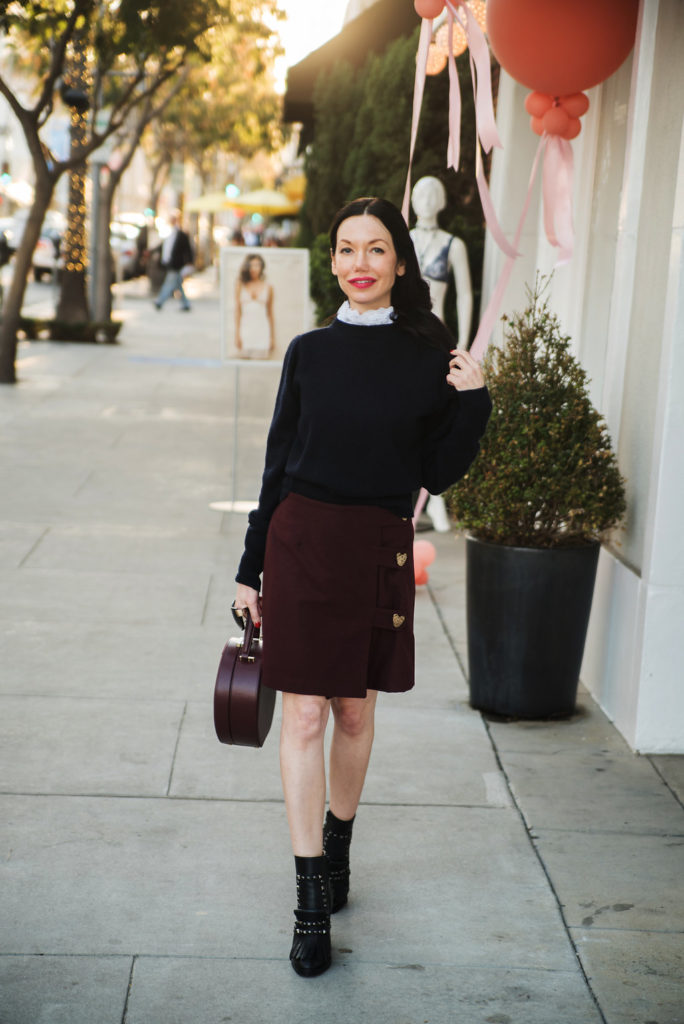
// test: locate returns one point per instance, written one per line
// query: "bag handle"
(251, 636)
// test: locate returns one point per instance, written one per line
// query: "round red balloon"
(429, 8)
(555, 121)
(423, 552)
(561, 47)
(575, 105)
(537, 125)
(572, 129)
(537, 103)
(421, 577)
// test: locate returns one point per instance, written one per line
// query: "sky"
(309, 24)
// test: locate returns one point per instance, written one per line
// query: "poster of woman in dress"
(265, 301)
(254, 327)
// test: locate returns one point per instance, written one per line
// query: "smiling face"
(365, 262)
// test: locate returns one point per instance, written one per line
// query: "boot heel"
(337, 835)
(311, 953)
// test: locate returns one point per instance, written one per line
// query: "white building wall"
(622, 300)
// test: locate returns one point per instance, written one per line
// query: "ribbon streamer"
(485, 123)
(557, 178)
(454, 144)
(557, 182)
(418, 90)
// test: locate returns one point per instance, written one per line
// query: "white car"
(46, 258)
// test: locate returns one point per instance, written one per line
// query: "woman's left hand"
(465, 373)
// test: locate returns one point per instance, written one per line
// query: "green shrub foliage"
(546, 474)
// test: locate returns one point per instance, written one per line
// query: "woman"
(369, 409)
(254, 327)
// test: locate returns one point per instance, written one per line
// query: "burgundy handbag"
(243, 706)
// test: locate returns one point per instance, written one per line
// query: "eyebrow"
(371, 242)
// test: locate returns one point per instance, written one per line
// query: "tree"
(228, 105)
(150, 40)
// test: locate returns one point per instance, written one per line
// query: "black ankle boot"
(337, 835)
(310, 954)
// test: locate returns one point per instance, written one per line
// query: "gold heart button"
(398, 620)
(401, 558)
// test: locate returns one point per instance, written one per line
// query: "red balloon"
(575, 105)
(421, 577)
(555, 121)
(537, 125)
(561, 47)
(429, 8)
(572, 129)
(537, 103)
(424, 552)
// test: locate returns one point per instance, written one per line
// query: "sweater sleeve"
(280, 438)
(452, 438)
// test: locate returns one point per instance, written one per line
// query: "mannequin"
(441, 255)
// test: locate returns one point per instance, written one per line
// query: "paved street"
(502, 873)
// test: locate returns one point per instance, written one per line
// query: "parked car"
(123, 241)
(132, 236)
(46, 255)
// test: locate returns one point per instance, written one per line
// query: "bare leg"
(302, 767)
(350, 751)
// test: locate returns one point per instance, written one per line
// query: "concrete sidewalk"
(503, 873)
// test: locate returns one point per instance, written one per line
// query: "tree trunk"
(102, 311)
(14, 298)
(73, 301)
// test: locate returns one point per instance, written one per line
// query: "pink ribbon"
(454, 145)
(486, 130)
(420, 505)
(482, 88)
(557, 178)
(418, 90)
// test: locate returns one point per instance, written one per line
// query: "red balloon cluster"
(429, 8)
(557, 115)
(423, 555)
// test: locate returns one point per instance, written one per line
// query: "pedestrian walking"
(370, 409)
(176, 255)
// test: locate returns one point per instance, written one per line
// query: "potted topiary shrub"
(537, 502)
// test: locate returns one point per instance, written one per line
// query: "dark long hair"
(245, 275)
(410, 293)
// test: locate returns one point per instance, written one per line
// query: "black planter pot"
(528, 612)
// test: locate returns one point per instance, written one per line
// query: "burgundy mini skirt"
(338, 599)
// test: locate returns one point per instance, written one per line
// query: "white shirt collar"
(369, 318)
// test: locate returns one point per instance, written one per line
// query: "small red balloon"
(421, 577)
(537, 125)
(574, 127)
(537, 103)
(429, 8)
(424, 552)
(575, 105)
(555, 121)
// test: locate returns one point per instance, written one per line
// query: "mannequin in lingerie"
(441, 256)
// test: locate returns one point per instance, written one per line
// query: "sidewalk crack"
(34, 547)
(129, 989)
(175, 749)
(533, 843)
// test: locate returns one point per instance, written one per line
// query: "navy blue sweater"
(363, 416)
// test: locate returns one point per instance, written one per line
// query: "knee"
(353, 717)
(305, 720)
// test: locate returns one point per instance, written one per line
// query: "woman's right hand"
(247, 597)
